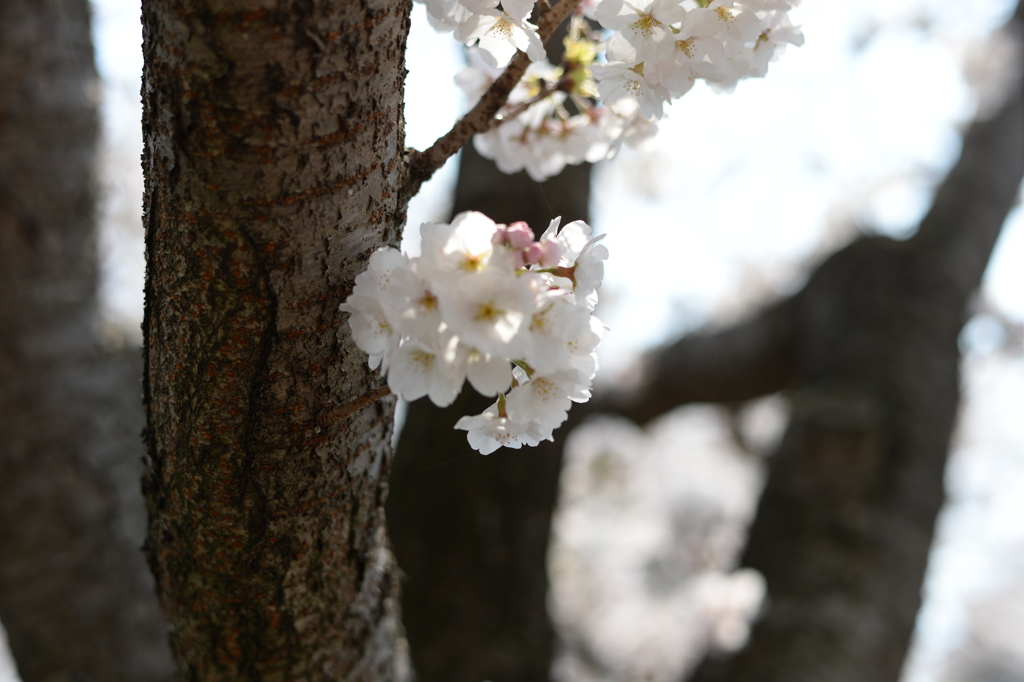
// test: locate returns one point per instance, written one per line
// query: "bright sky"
(736, 197)
(740, 191)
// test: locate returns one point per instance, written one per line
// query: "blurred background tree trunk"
(868, 354)
(76, 596)
(845, 523)
(471, 532)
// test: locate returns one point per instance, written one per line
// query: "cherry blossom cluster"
(490, 304)
(611, 85)
(660, 47)
(536, 131)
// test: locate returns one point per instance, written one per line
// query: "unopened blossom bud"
(551, 253)
(533, 253)
(518, 235)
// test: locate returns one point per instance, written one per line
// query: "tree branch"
(967, 215)
(758, 356)
(751, 359)
(340, 412)
(845, 523)
(423, 164)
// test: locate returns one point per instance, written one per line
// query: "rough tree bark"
(274, 168)
(868, 351)
(470, 532)
(75, 595)
(274, 148)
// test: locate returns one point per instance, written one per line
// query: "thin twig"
(423, 164)
(520, 108)
(342, 411)
(316, 39)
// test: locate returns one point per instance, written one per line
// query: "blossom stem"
(423, 164)
(521, 364)
(582, 104)
(545, 92)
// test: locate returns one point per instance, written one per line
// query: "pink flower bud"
(518, 235)
(551, 253)
(533, 253)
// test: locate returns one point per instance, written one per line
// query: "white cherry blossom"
(372, 331)
(616, 80)
(413, 304)
(550, 331)
(545, 398)
(499, 36)
(643, 28)
(489, 431)
(582, 349)
(418, 370)
(589, 271)
(519, 10)
(488, 374)
(464, 245)
(487, 310)
(446, 15)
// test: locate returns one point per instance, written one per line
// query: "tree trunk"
(845, 523)
(471, 532)
(75, 595)
(274, 147)
(869, 352)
